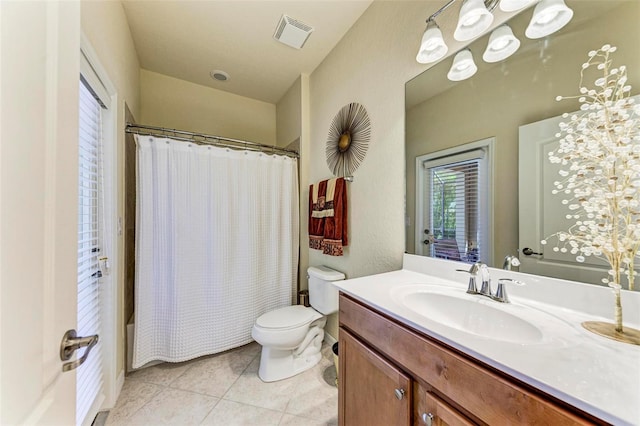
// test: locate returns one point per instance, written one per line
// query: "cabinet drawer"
(441, 413)
(489, 397)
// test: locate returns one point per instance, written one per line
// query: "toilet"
(291, 337)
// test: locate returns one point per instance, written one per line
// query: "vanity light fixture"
(474, 20)
(548, 17)
(502, 44)
(432, 46)
(463, 66)
(513, 5)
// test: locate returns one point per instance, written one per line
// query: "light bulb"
(474, 19)
(548, 17)
(432, 46)
(502, 44)
(463, 66)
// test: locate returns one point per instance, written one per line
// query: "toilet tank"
(323, 295)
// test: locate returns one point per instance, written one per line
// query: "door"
(372, 391)
(39, 73)
(542, 213)
(452, 203)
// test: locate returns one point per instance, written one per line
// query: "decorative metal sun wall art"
(348, 139)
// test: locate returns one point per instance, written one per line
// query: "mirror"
(503, 96)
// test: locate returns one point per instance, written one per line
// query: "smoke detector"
(292, 32)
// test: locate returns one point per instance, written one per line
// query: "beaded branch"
(599, 155)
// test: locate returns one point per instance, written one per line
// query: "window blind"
(89, 376)
(457, 202)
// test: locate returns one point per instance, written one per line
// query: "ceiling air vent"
(292, 32)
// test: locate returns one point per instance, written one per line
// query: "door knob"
(528, 252)
(71, 343)
(399, 393)
(427, 418)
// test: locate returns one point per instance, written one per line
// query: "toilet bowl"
(291, 337)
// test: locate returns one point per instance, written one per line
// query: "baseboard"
(119, 384)
(329, 339)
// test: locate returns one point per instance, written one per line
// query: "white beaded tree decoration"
(599, 155)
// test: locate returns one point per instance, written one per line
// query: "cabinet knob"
(399, 393)
(427, 418)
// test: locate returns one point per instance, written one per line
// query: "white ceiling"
(189, 39)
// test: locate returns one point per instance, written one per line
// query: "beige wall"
(170, 102)
(105, 26)
(370, 65)
(303, 173)
(288, 115)
(520, 91)
(292, 116)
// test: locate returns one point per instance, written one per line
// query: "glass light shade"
(513, 5)
(548, 17)
(463, 66)
(474, 20)
(432, 46)
(502, 44)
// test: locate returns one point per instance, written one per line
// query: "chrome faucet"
(476, 269)
(482, 270)
(510, 262)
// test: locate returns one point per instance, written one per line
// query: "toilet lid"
(289, 317)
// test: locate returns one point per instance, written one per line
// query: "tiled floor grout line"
(238, 378)
(281, 418)
(210, 411)
(287, 406)
(162, 388)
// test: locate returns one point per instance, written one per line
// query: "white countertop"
(595, 374)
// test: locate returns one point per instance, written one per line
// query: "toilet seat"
(287, 318)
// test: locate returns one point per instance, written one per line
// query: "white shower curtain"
(216, 246)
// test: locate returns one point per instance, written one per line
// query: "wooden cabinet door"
(439, 413)
(371, 390)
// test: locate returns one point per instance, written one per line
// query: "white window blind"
(457, 205)
(89, 377)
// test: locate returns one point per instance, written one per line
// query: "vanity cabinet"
(391, 374)
(390, 404)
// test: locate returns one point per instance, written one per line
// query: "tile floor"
(224, 389)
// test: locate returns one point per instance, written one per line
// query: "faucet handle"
(501, 291)
(473, 272)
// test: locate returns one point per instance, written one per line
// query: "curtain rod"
(204, 139)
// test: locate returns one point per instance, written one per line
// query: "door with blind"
(453, 205)
(93, 237)
(89, 395)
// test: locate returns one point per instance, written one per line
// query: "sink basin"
(473, 314)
